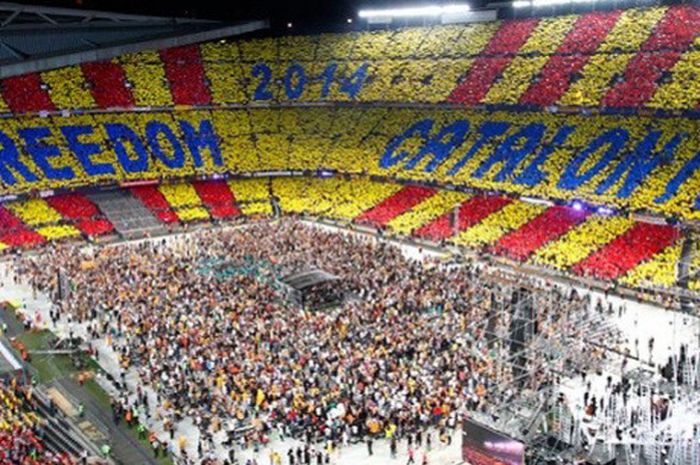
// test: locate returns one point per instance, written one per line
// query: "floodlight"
(408, 12)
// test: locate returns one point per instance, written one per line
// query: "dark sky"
(302, 12)
(305, 15)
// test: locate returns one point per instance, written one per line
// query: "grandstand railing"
(515, 108)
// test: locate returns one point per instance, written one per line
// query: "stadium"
(447, 233)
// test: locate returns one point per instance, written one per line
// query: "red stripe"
(505, 42)
(22, 237)
(95, 227)
(151, 197)
(218, 197)
(551, 224)
(185, 71)
(24, 94)
(14, 233)
(73, 206)
(510, 37)
(676, 30)
(471, 212)
(636, 245)
(167, 216)
(156, 202)
(224, 211)
(672, 35)
(8, 221)
(585, 37)
(391, 207)
(214, 192)
(639, 83)
(108, 84)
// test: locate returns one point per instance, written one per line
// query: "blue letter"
(85, 150)
(640, 163)
(9, 157)
(118, 133)
(389, 159)
(487, 130)
(615, 139)
(41, 152)
(532, 175)
(441, 149)
(153, 129)
(205, 138)
(509, 152)
(681, 177)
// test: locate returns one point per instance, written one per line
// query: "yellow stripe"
(426, 211)
(371, 45)
(180, 194)
(147, 78)
(226, 82)
(3, 246)
(53, 233)
(34, 211)
(335, 198)
(475, 37)
(257, 50)
(683, 90)
(439, 41)
(597, 74)
(581, 241)
(631, 30)
(247, 190)
(301, 195)
(192, 213)
(519, 73)
(659, 271)
(516, 79)
(256, 208)
(297, 48)
(67, 88)
(217, 51)
(358, 195)
(497, 225)
(3, 106)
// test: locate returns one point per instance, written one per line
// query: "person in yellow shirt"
(182, 444)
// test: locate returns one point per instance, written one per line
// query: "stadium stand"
(631, 162)
(560, 237)
(564, 146)
(594, 59)
(23, 431)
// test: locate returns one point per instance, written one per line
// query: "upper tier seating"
(635, 58)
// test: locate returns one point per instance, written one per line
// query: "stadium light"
(546, 3)
(408, 12)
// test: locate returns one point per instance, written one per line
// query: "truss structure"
(37, 38)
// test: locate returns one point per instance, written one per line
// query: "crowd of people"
(21, 433)
(204, 325)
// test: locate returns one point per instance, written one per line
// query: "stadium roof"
(37, 38)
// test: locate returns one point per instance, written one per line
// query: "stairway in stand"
(128, 214)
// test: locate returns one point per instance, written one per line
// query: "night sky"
(302, 13)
